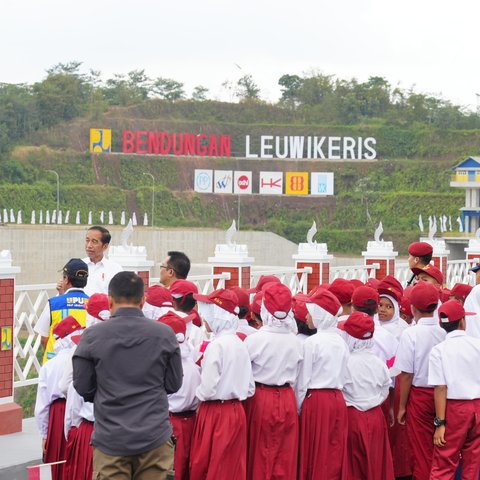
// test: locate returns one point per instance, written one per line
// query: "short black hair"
(243, 311)
(302, 327)
(431, 308)
(450, 326)
(184, 304)
(426, 259)
(106, 237)
(179, 263)
(368, 310)
(126, 287)
(77, 282)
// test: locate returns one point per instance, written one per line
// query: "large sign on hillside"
(141, 142)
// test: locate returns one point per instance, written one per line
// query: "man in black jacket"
(126, 366)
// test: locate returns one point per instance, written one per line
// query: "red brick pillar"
(232, 259)
(383, 254)
(440, 255)
(10, 412)
(315, 256)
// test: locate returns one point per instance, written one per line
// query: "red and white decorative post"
(10, 412)
(380, 252)
(315, 256)
(233, 259)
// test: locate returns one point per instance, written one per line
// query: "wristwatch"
(438, 422)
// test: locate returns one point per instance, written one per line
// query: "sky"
(430, 45)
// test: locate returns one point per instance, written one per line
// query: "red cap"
(225, 299)
(372, 282)
(76, 339)
(365, 297)
(326, 300)
(431, 270)
(242, 295)
(390, 286)
(256, 304)
(262, 281)
(359, 325)
(425, 296)
(98, 306)
(181, 288)
(420, 249)
(408, 291)
(174, 321)
(404, 306)
(356, 283)
(323, 286)
(460, 290)
(299, 307)
(444, 295)
(452, 311)
(277, 299)
(196, 320)
(342, 289)
(67, 326)
(158, 296)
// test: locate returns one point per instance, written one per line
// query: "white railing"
(354, 272)
(204, 283)
(294, 278)
(403, 273)
(30, 300)
(457, 272)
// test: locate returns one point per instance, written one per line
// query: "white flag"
(420, 223)
(460, 225)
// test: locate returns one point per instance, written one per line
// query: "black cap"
(75, 268)
(475, 268)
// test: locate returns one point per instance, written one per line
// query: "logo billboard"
(242, 183)
(296, 183)
(100, 140)
(203, 181)
(223, 181)
(270, 183)
(321, 183)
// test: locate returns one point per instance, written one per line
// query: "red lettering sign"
(127, 141)
(243, 182)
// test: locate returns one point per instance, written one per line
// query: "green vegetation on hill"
(45, 126)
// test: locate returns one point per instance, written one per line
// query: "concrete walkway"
(19, 450)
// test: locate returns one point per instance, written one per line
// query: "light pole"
(153, 193)
(58, 189)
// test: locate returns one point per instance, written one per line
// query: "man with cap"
(275, 354)
(50, 402)
(183, 403)
(429, 273)
(416, 407)
(182, 292)
(420, 255)
(365, 389)
(219, 441)
(127, 366)
(72, 302)
(323, 370)
(452, 371)
(460, 292)
(343, 290)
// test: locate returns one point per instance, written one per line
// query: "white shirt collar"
(456, 333)
(427, 321)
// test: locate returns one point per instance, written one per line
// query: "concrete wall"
(42, 250)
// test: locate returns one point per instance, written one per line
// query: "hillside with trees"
(46, 125)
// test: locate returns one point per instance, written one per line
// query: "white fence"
(31, 300)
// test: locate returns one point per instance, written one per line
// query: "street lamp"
(58, 189)
(153, 193)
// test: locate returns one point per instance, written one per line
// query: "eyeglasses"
(166, 267)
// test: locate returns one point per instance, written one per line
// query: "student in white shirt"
(244, 313)
(219, 441)
(183, 404)
(365, 389)
(300, 312)
(416, 408)
(453, 370)
(158, 301)
(343, 290)
(275, 353)
(323, 418)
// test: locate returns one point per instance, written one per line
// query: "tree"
(168, 89)
(291, 85)
(247, 89)
(199, 93)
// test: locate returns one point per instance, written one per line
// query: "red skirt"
(79, 458)
(323, 436)
(219, 442)
(72, 436)
(56, 444)
(369, 456)
(183, 426)
(272, 422)
(420, 429)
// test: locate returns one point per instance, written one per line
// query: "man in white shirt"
(453, 371)
(417, 407)
(100, 269)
